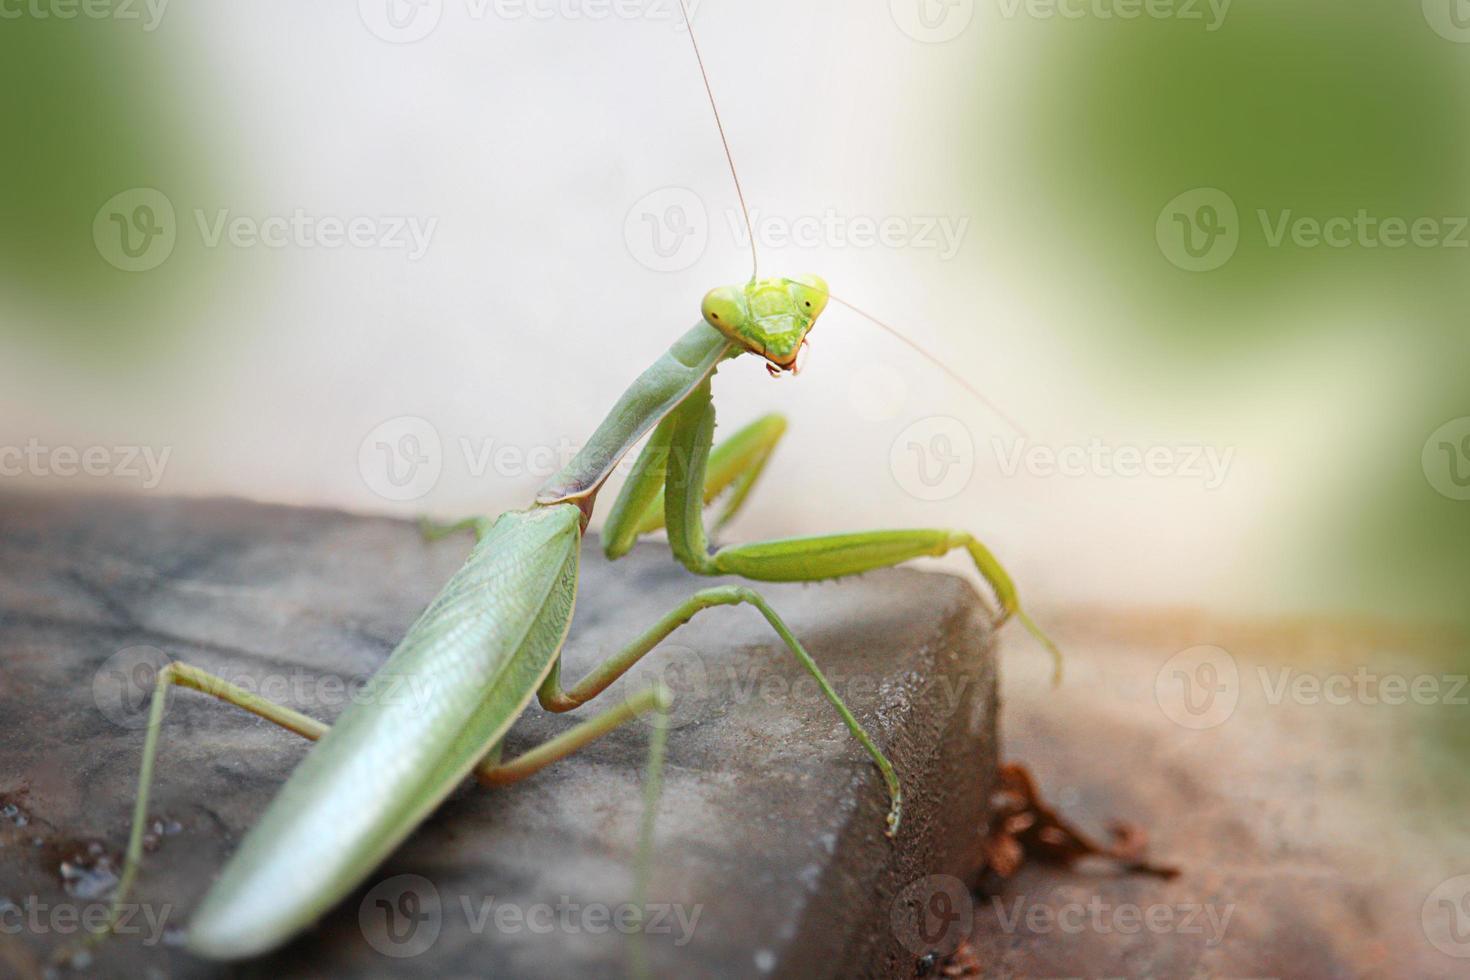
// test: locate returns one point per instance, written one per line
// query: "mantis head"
(769, 317)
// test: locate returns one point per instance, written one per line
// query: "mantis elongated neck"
(654, 394)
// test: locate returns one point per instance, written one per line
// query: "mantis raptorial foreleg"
(736, 462)
(687, 436)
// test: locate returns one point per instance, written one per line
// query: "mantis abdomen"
(448, 693)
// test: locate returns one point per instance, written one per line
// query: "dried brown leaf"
(1024, 827)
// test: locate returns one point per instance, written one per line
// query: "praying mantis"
(491, 640)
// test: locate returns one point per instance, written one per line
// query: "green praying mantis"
(491, 640)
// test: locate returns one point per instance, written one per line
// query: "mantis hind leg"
(491, 771)
(182, 675)
(495, 773)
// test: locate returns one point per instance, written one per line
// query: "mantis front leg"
(690, 433)
(735, 464)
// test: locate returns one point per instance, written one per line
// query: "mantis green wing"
(454, 685)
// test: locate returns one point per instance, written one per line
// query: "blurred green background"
(94, 106)
(1310, 108)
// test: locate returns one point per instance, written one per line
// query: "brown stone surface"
(1323, 829)
(771, 823)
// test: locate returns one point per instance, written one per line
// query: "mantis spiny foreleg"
(807, 559)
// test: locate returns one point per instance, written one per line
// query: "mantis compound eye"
(809, 293)
(724, 308)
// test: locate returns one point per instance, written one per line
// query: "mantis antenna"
(954, 375)
(729, 157)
